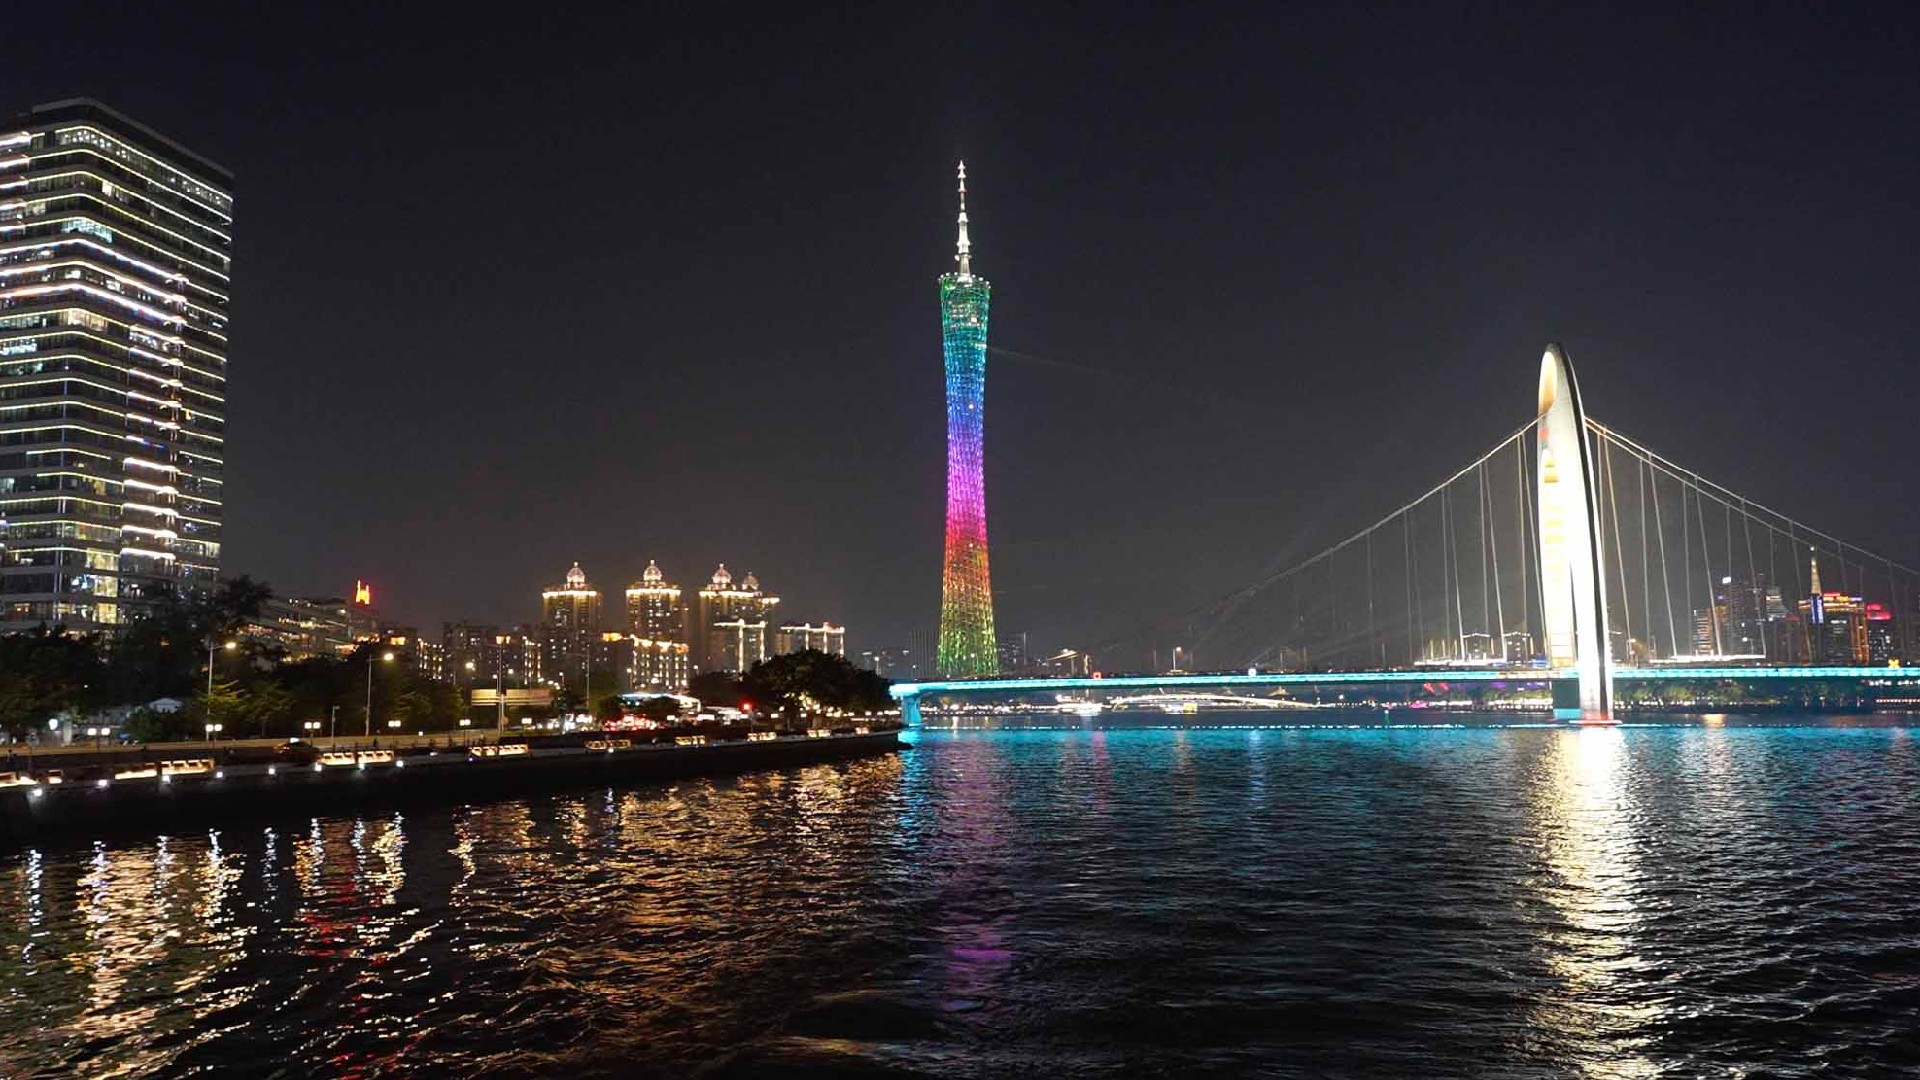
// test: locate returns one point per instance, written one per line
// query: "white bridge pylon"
(1572, 567)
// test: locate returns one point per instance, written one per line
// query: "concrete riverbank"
(187, 788)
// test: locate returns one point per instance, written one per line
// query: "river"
(1707, 897)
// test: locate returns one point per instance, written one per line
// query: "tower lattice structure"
(967, 648)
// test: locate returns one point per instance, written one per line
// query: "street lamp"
(369, 722)
(230, 646)
(214, 730)
(313, 727)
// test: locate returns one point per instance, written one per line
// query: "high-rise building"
(900, 662)
(1883, 645)
(521, 654)
(1519, 647)
(115, 245)
(659, 666)
(1477, 646)
(1835, 623)
(570, 614)
(465, 643)
(967, 646)
(1014, 659)
(793, 637)
(732, 625)
(1784, 636)
(415, 653)
(301, 629)
(1743, 601)
(654, 610)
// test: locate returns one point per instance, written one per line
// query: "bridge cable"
(1756, 592)
(1646, 561)
(1706, 565)
(1375, 648)
(1486, 604)
(1499, 602)
(1659, 462)
(1406, 547)
(1666, 583)
(1619, 556)
(1223, 605)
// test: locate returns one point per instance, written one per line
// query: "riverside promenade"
(183, 783)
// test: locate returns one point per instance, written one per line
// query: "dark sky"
(517, 291)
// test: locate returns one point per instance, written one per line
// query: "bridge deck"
(1300, 678)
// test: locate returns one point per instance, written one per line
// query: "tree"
(609, 708)
(235, 602)
(268, 707)
(44, 673)
(162, 652)
(225, 705)
(717, 688)
(793, 685)
(152, 725)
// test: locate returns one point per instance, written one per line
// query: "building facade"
(657, 666)
(302, 629)
(115, 247)
(522, 651)
(472, 651)
(655, 611)
(570, 616)
(732, 623)
(793, 637)
(967, 647)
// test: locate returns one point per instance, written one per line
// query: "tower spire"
(964, 247)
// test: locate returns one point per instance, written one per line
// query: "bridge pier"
(1572, 567)
(910, 710)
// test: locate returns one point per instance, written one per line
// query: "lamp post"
(466, 703)
(229, 646)
(369, 722)
(333, 725)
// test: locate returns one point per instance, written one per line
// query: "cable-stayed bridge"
(1569, 558)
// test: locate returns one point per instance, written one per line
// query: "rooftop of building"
(86, 108)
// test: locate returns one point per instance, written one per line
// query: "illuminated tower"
(967, 647)
(113, 350)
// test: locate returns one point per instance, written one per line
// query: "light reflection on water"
(1605, 903)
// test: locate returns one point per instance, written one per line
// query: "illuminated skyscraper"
(654, 611)
(571, 614)
(732, 630)
(967, 646)
(114, 256)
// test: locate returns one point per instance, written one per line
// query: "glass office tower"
(115, 247)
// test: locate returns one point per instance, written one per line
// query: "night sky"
(514, 292)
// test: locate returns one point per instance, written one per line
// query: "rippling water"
(1489, 901)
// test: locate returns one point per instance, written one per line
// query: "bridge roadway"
(909, 694)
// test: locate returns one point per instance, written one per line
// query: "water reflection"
(1590, 834)
(1393, 903)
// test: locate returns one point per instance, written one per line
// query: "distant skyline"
(659, 286)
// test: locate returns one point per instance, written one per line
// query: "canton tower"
(967, 648)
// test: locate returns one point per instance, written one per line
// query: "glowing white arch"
(1572, 573)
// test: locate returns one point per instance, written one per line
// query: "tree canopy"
(797, 684)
